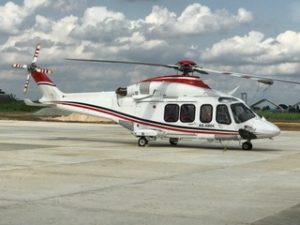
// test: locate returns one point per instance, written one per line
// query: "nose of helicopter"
(265, 129)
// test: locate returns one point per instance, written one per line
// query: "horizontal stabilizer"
(31, 103)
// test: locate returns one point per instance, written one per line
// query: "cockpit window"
(241, 113)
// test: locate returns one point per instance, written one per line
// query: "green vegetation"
(280, 116)
(17, 106)
(13, 105)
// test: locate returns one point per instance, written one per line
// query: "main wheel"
(142, 141)
(173, 141)
(247, 145)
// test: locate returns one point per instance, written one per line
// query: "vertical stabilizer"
(48, 88)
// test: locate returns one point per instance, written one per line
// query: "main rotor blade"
(27, 83)
(125, 62)
(36, 53)
(260, 79)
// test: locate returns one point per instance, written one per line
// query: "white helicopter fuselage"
(175, 107)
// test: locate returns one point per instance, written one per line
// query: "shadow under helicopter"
(216, 147)
(165, 144)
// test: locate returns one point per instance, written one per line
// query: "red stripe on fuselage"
(146, 123)
(189, 80)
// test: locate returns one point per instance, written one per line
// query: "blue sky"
(259, 37)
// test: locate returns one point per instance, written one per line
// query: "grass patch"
(278, 116)
(17, 106)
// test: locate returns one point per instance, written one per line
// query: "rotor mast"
(186, 66)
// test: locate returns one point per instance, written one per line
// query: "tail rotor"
(31, 68)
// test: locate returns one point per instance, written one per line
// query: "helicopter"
(173, 107)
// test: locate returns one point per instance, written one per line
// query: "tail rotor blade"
(27, 83)
(19, 66)
(36, 53)
(42, 70)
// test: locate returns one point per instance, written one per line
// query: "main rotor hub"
(31, 67)
(186, 66)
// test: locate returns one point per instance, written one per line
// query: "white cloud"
(13, 15)
(33, 4)
(99, 24)
(61, 29)
(279, 55)
(67, 6)
(160, 16)
(100, 15)
(254, 48)
(231, 50)
(244, 16)
(195, 19)
(138, 40)
(43, 24)
(103, 32)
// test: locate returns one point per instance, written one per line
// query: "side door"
(146, 112)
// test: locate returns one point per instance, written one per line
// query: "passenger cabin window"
(223, 116)
(241, 113)
(171, 113)
(187, 113)
(206, 112)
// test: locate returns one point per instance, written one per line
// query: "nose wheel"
(247, 145)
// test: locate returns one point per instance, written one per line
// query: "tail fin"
(48, 88)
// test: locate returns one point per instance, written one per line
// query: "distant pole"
(244, 97)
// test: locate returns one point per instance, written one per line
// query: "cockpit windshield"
(241, 113)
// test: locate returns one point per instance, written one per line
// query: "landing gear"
(173, 141)
(142, 142)
(247, 145)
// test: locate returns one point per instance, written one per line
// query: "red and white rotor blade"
(260, 79)
(42, 70)
(36, 53)
(27, 83)
(19, 66)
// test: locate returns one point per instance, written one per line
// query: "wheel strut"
(173, 141)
